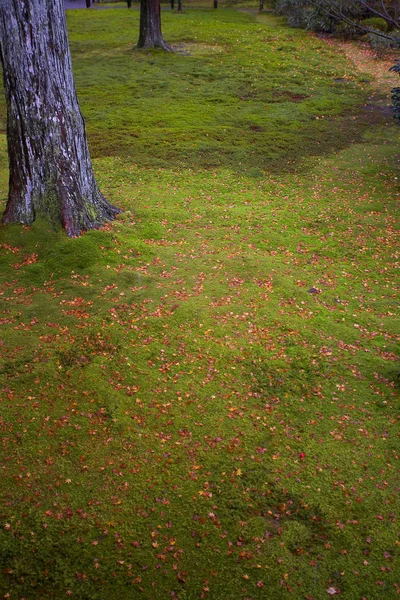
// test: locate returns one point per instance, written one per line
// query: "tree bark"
(51, 174)
(179, 5)
(150, 35)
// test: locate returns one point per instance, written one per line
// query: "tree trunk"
(215, 4)
(87, 3)
(179, 5)
(172, 4)
(261, 6)
(129, 3)
(396, 11)
(150, 35)
(50, 170)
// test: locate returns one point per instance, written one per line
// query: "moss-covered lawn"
(200, 400)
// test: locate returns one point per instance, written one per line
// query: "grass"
(200, 400)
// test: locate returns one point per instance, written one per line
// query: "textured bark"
(150, 35)
(50, 169)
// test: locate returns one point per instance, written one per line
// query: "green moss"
(200, 398)
(199, 107)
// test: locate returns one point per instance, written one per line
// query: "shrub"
(318, 20)
(293, 9)
(375, 23)
(396, 93)
(300, 13)
(345, 20)
(381, 44)
(396, 102)
(346, 30)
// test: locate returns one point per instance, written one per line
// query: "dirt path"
(364, 61)
(375, 68)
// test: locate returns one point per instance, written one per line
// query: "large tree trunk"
(150, 35)
(50, 170)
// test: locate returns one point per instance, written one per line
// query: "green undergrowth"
(200, 399)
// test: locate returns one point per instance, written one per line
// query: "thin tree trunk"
(179, 5)
(50, 169)
(396, 11)
(172, 4)
(215, 4)
(150, 35)
(261, 7)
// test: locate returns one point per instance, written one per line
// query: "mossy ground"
(199, 401)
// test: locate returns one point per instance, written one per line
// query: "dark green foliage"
(349, 19)
(375, 23)
(396, 93)
(396, 102)
(318, 15)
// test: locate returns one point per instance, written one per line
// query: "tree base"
(75, 214)
(160, 45)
